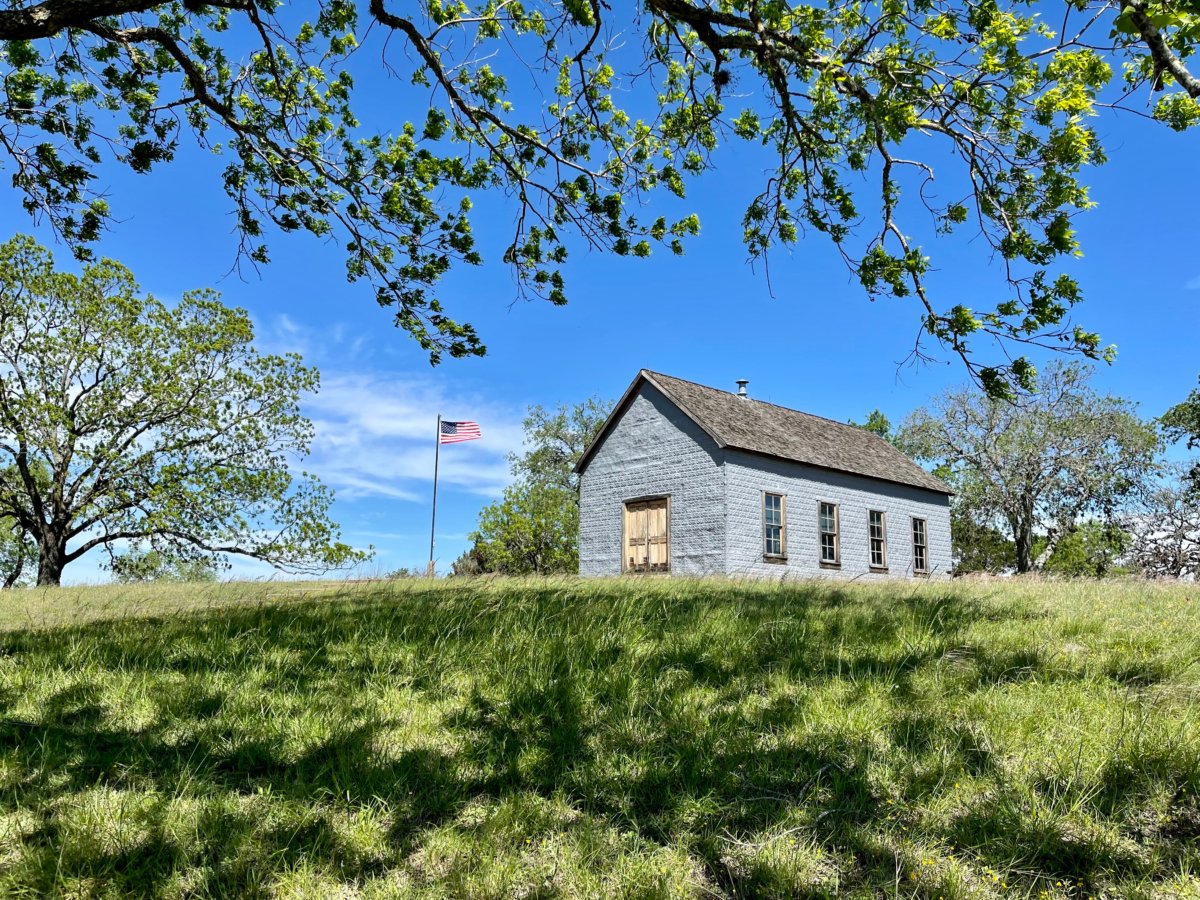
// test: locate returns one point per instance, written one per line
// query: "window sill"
(830, 565)
(775, 560)
(880, 570)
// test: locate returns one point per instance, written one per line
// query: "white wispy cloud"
(375, 437)
(282, 334)
(1194, 284)
(374, 427)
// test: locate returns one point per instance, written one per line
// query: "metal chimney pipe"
(741, 383)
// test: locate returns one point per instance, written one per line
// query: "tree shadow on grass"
(560, 726)
(232, 849)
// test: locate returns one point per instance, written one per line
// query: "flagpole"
(437, 453)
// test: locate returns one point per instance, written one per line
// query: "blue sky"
(810, 339)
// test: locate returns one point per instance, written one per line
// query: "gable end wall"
(654, 450)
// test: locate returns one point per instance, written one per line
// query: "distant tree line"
(1064, 480)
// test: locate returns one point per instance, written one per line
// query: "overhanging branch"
(1160, 50)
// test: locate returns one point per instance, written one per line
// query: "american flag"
(453, 432)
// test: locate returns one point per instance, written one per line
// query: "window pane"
(774, 544)
(827, 548)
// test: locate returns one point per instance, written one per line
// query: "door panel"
(635, 537)
(647, 536)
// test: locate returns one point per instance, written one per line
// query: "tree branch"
(1164, 57)
(49, 18)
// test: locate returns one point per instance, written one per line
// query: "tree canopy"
(1041, 464)
(878, 424)
(1182, 423)
(556, 439)
(17, 550)
(534, 527)
(855, 108)
(978, 545)
(1089, 549)
(125, 421)
(532, 530)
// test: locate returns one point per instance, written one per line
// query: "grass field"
(640, 738)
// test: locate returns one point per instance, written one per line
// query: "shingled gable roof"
(741, 423)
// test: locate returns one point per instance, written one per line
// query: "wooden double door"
(647, 536)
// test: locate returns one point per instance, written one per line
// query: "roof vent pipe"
(741, 383)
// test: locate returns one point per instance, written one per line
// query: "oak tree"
(1090, 549)
(878, 424)
(584, 112)
(534, 527)
(977, 544)
(123, 420)
(1182, 423)
(555, 440)
(1040, 464)
(532, 530)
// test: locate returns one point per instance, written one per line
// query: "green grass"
(645, 738)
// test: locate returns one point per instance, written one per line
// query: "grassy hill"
(637, 738)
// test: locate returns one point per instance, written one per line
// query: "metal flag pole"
(437, 453)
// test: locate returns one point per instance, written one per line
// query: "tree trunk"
(51, 561)
(1022, 530)
(1020, 520)
(1024, 542)
(18, 568)
(1052, 538)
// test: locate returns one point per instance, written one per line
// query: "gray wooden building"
(692, 480)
